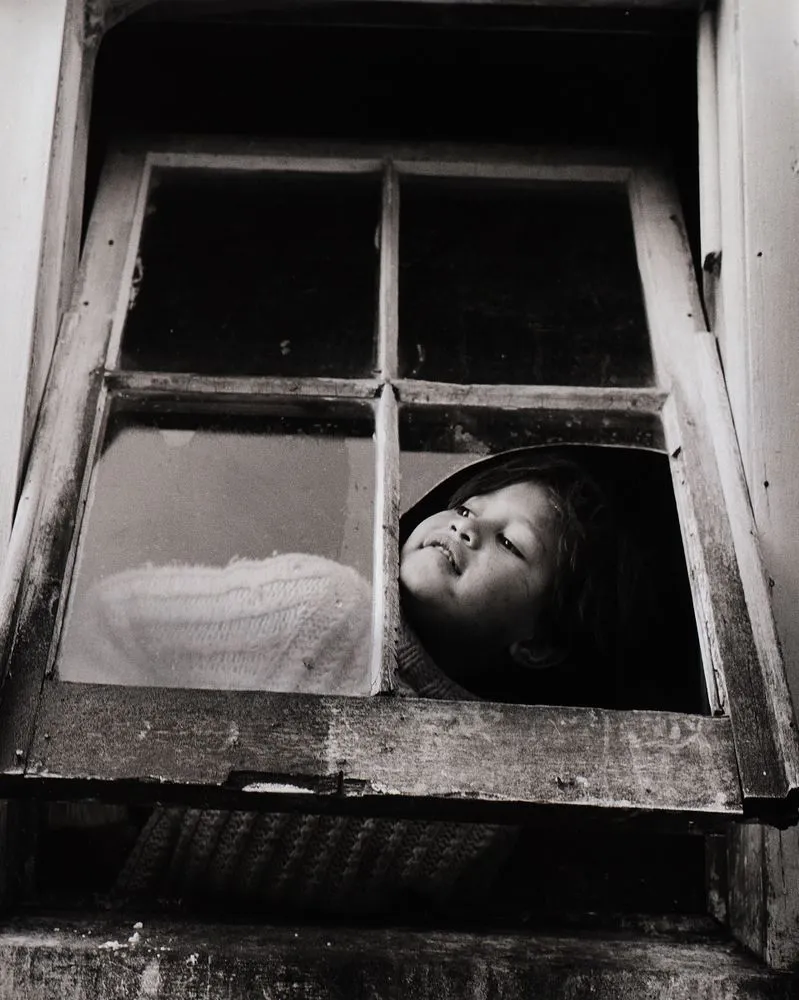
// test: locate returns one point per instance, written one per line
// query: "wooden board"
(731, 597)
(59, 452)
(323, 751)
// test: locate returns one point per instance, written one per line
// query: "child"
(499, 578)
(499, 571)
(509, 566)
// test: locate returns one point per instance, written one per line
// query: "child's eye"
(506, 543)
(463, 511)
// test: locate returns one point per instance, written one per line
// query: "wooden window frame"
(390, 755)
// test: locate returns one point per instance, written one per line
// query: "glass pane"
(515, 283)
(230, 552)
(476, 431)
(619, 607)
(256, 274)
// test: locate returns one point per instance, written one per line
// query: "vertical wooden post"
(758, 316)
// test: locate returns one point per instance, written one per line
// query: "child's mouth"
(447, 551)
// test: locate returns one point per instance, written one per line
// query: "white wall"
(31, 33)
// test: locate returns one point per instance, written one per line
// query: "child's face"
(481, 572)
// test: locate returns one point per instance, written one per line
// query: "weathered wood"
(758, 315)
(299, 158)
(63, 215)
(122, 958)
(119, 10)
(16, 556)
(746, 900)
(776, 697)
(388, 294)
(63, 433)
(744, 650)
(136, 205)
(546, 397)
(691, 501)
(385, 748)
(763, 901)
(386, 608)
(234, 388)
(489, 161)
(734, 666)
(514, 169)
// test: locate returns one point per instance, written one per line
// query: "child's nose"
(465, 529)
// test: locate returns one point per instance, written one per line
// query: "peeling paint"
(276, 786)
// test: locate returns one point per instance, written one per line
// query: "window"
(342, 358)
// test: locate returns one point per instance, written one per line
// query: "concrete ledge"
(65, 958)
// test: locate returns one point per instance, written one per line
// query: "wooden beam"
(737, 615)
(119, 10)
(386, 749)
(54, 476)
(543, 397)
(758, 315)
(219, 389)
(386, 601)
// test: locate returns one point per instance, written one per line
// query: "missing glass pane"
(612, 623)
(226, 551)
(515, 283)
(255, 274)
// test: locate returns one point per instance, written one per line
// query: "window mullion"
(129, 274)
(388, 328)
(700, 573)
(385, 604)
(237, 388)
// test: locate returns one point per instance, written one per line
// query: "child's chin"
(425, 570)
(424, 582)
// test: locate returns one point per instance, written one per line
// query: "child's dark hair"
(582, 615)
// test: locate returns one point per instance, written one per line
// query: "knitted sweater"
(290, 623)
(293, 622)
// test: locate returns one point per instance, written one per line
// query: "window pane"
(475, 431)
(230, 551)
(638, 647)
(256, 274)
(516, 283)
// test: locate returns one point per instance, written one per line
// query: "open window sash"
(387, 754)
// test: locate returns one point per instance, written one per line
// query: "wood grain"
(732, 608)
(221, 389)
(386, 607)
(63, 435)
(758, 315)
(546, 397)
(388, 748)
(388, 292)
